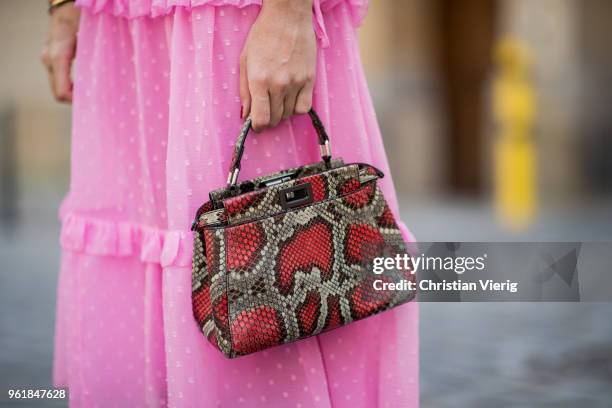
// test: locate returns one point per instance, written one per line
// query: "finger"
(303, 102)
(290, 101)
(51, 79)
(260, 109)
(62, 80)
(45, 59)
(245, 95)
(277, 102)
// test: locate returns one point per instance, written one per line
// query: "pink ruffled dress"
(156, 113)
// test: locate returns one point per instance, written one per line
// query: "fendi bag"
(290, 255)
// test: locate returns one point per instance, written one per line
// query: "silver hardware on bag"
(365, 177)
(233, 177)
(295, 196)
(325, 149)
(275, 181)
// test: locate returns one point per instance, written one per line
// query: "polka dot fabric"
(155, 117)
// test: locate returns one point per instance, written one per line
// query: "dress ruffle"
(100, 237)
(165, 247)
(155, 8)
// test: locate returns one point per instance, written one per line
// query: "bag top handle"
(324, 146)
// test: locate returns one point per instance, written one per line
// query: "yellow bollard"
(514, 151)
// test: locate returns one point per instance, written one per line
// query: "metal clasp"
(325, 150)
(295, 196)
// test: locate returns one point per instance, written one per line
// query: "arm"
(278, 63)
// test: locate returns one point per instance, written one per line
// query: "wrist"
(294, 8)
(65, 18)
(55, 4)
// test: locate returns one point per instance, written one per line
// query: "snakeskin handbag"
(290, 255)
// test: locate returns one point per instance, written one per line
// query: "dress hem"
(101, 237)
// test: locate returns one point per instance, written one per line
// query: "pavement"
(472, 354)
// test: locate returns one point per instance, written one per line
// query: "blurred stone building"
(430, 66)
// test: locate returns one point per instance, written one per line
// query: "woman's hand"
(278, 63)
(60, 49)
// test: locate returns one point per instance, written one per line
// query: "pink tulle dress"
(156, 113)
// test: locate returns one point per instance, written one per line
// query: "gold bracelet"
(53, 4)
